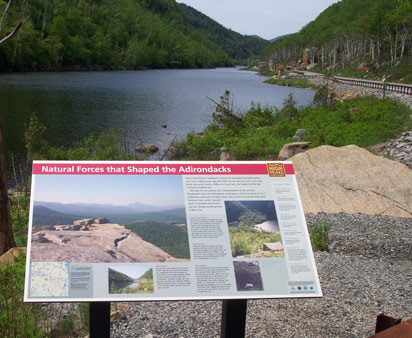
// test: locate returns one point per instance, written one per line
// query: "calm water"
(138, 103)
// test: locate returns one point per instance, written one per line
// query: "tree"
(6, 231)
(16, 28)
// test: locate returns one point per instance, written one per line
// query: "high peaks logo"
(276, 170)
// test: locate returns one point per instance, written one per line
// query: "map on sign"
(49, 279)
(146, 230)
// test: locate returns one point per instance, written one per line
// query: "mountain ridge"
(239, 47)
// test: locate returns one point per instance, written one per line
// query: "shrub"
(319, 235)
(17, 319)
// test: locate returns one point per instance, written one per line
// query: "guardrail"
(394, 87)
(389, 86)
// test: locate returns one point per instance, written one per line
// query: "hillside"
(169, 237)
(366, 38)
(103, 34)
(46, 216)
(52, 213)
(239, 47)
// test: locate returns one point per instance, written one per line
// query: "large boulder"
(352, 180)
(8, 257)
(86, 221)
(291, 149)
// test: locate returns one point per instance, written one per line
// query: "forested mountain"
(351, 34)
(103, 34)
(237, 46)
(166, 235)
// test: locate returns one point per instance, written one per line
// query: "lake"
(137, 103)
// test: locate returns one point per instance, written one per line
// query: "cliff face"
(108, 243)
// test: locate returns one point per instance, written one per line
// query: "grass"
(319, 236)
(300, 83)
(17, 319)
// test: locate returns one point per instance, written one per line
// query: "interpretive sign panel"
(129, 231)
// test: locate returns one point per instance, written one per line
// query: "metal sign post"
(99, 319)
(233, 318)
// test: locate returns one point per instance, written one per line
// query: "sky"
(134, 271)
(156, 190)
(266, 18)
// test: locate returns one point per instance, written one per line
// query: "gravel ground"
(368, 271)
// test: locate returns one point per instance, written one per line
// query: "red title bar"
(133, 168)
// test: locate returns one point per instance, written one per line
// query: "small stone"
(151, 148)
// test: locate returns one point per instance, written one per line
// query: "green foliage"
(66, 35)
(246, 241)
(319, 236)
(147, 275)
(363, 121)
(17, 319)
(324, 96)
(251, 217)
(352, 33)
(67, 326)
(104, 146)
(300, 83)
(170, 238)
(84, 312)
(224, 116)
(34, 137)
(19, 214)
(289, 110)
(238, 47)
(263, 131)
(119, 283)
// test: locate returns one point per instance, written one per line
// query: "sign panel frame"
(148, 231)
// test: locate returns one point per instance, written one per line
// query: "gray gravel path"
(369, 271)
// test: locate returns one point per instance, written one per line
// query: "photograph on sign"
(253, 229)
(130, 279)
(130, 231)
(73, 214)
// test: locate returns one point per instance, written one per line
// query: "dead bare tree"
(6, 231)
(16, 28)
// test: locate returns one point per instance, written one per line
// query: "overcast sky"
(266, 18)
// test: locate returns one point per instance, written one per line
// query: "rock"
(353, 110)
(300, 133)
(151, 148)
(400, 149)
(247, 274)
(224, 157)
(108, 243)
(352, 180)
(379, 148)
(8, 257)
(272, 246)
(86, 221)
(291, 149)
(101, 220)
(118, 311)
